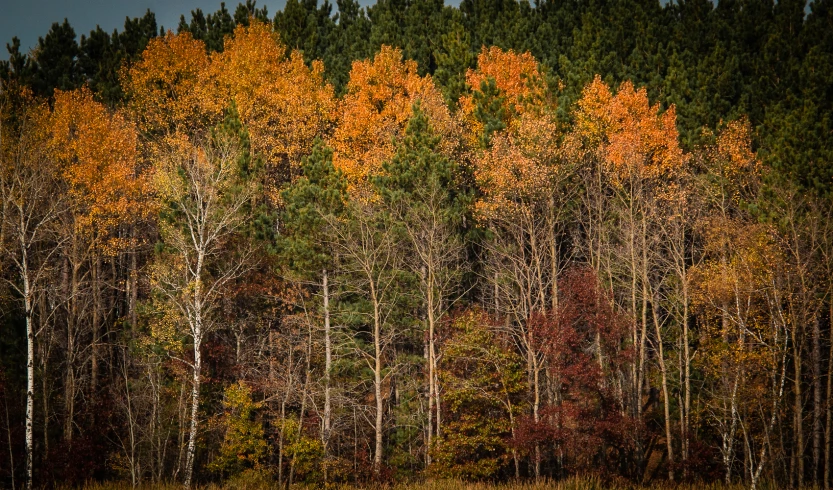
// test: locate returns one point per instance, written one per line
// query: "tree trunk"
(30, 368)
(828, 430)
(666, 399)
(817, 399)
(195, 405)
(377, 379)
(799, 412)
(328, 363)
(96, 266)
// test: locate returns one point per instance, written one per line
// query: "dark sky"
(30, 19)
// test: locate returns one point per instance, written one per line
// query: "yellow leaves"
(731, 159)
(376, 110)
(171, 87)
(633, 137)
(283, 103)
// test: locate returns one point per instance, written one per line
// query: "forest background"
(412, 241)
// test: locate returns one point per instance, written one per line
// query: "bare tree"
(32, 200)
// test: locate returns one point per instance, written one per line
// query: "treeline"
(528, 242)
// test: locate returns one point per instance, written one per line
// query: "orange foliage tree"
(283, 103)
(98, 155)
(99, 151)
(376, 109)
(519, 81)
(629, 148)
(171, 88)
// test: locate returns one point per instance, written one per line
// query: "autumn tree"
(631, 147)
(244, 445)
(420, 187)
(375, 112)
(34, 200)
(284, 103)
(98, 152)
(583, 344)
(206, 193)
(171, 88)
(522, 180)
(483, 381)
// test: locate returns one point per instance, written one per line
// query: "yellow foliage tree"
(244, 444)
(171, 87)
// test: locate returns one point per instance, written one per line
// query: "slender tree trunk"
(30, 368)
(687, 364)
(132, 281)
(669, 442)
(96, 266)
(431, 364)
(536, 416)
(798, 407)
(828, 430)
(72, 332)
(195, 405)
(377, 379)
(328, 363)
(817, 398)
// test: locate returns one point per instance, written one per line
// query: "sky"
(30, 19)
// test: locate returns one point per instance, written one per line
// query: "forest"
(412, 242)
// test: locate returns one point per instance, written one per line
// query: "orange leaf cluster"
(379, 102)
(98, 151)
(517, 76)
(171, 88)
(519, 166)
(282, 102)
(632, 136)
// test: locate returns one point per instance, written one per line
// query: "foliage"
(244, 445)
(483, 391)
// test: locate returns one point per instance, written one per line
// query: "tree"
(420, 187)
(33, 202)
(98, 154)
(206, 193)
(376, 110)
(482, 378)
(284, 104)
(171, 89)
(371, 260)
(633, 148)
(312, 205)
(244, 444)
(583, 343)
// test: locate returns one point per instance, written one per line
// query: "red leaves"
(582, 342)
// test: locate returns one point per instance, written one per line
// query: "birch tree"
(206, 191)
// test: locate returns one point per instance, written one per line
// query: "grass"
(259, 482)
